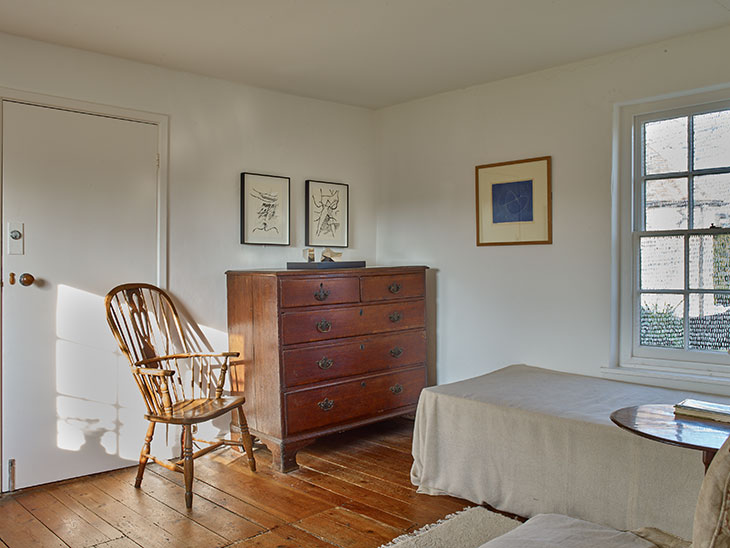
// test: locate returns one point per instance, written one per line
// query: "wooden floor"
(352, 489)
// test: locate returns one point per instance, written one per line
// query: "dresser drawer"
(335, 323)
(356, 357)
(397, 286)
(319, 291)
(319, 407)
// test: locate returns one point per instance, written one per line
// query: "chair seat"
(200, 410)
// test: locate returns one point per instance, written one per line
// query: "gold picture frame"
(514, 202)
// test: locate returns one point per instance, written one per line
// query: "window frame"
(628, 230)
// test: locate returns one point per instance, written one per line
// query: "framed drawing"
(514, 202)
(327, 214)
(265, 209)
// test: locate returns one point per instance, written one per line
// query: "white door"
(79, 211)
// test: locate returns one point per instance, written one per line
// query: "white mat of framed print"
(264, 209)
(327, 214)
(514, 202)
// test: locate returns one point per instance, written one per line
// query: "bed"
(528, 440)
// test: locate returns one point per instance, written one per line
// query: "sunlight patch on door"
(98, 406)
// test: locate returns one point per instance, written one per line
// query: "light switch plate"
(16, 247)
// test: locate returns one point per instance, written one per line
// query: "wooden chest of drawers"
(325, 351)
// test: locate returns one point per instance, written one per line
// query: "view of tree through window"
(683, 231)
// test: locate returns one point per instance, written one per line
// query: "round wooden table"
(658, 422)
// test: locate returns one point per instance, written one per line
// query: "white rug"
(469, 528)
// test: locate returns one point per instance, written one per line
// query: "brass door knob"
(26, 279)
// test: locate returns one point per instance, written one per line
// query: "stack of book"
(703, 410)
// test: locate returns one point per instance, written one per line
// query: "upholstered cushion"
(661, 538)
(558, 531)
(711, 528)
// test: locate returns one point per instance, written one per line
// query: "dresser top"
(313, 272)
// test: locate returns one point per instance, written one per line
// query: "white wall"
(217, 130)
(545, 305)
(411, 169)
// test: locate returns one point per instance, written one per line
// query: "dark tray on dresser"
(325, 351)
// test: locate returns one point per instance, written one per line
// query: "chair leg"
(143, 456)
(246, 439)
(182, 443)
(188, 464)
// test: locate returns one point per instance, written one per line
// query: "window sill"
(706, 382)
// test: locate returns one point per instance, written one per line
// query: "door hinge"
(158, 159)
(11, 474)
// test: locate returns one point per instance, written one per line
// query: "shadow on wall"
(99, 410)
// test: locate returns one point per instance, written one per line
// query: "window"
(680, 237)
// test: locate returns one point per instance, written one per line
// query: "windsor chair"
(178, 387)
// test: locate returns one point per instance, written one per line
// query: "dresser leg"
(284, 455)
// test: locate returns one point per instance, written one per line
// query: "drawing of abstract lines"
(326, 211)
(267, 215)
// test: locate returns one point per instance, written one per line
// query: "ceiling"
(370, 53)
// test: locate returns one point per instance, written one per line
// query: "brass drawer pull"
(396, 352)
(326, 404)
(321, 294)
(395, 317)
(396, 389)
(325, 363)
(394, 288)
(323, 326)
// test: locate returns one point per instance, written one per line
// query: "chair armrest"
(152, 382)
(185, 355)
(155, 372)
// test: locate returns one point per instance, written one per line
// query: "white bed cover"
(529, 440)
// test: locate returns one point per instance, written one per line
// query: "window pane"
(712, 201)
(662, 262)
(709, 262)
(665, 203)
(665, 146)
(709, 322)
(712, 139)
(662, 321)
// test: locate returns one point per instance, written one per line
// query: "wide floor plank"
(70, 527)
(351, 490)
(227, 524)
(59, 492)
(347, 529)
(123, 542)
(275, 497)
(285, 536)
(182, 525)
(135, 525)
(225, 500)
(406, 494)
(19, 528)
(350, 457)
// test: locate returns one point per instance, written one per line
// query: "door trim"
(162, 121)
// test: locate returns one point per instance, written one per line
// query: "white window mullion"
(690, 223)
(686, 290)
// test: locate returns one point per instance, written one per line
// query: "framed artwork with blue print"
(514, 202)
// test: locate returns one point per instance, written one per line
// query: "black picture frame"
(265, 209)
(327, 214)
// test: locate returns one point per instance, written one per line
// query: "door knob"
(26, 279)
